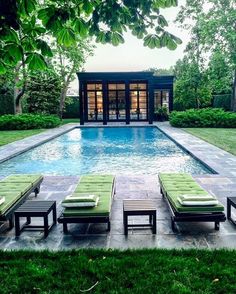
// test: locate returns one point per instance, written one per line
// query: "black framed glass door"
(116, 102)
(95, 102)
(138, 101)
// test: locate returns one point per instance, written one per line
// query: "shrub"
(161, 114)
(208, 118)
(28, 121)
(71, 107)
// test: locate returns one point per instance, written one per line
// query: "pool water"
(113, 150)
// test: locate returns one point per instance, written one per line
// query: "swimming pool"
(113, 150)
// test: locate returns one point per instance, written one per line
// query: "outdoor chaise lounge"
(202, 207)
(102, 186)
(14, 189)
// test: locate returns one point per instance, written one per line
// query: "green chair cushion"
(173, 195)
(14, 187)
(96, 179)
(18, 187)
(173, 186)
(94, 187)
(101, 189)
(10, 199)
(173, 177)
(23, 178)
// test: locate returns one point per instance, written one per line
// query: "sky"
(133, 56)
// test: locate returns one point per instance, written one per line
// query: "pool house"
(123, 96)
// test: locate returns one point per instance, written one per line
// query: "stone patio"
(194, 235)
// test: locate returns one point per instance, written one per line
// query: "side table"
(139, 207)
(231, 201)
(30, 209)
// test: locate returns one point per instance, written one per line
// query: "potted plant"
(161, 113)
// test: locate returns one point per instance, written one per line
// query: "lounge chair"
(173, 186)
(102, 186)
(15, 189)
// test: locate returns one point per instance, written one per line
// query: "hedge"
(28, 121)
(208, 118)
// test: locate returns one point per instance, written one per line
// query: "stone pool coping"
(220, 161)
(214, 158)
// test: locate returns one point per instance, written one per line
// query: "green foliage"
(28, 121)
(161, 114)
(191, 89)
(212, 25)
(66, 21)
(112, 271)
(43, 93)
(71, 107)
(220, 74)
(222, 101)
(162, 71)
(6, 95)
(203, 118)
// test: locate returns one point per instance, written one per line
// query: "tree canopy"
(212, 24)
(25, 23)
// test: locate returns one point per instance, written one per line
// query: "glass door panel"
(91, 106)
(138, 102)
(95, 102)
(117, 102)
(121, 104)
(134, 105)
(99, 105)
(112, 105)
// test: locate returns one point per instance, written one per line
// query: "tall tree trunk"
(63, 98)
(233, 101)
(19, 92)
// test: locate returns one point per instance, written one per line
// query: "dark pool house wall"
(154, 85)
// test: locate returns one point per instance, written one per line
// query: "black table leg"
(125, 221)
(154, 217)
(228, 209)
(150, 219)
(54, 213)
(28, 220)
(17, 225)
(45, 226)
(65, 228)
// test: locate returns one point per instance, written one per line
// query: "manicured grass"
(70, 120)
(7, 137)
(143, 271)
(223, 138)
(11, 136)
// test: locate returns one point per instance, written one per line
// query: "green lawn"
(223, 138)
(142, 271)
(70, 120)
(11, 136)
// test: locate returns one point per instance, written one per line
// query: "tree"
(67, 20)
(67, 61)
(219, 74)
(162, 71)
(191, 87)
(43, 92)
(217, 28)
(24, 25)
